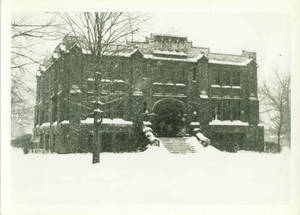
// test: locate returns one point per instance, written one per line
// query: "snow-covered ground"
(152, 177)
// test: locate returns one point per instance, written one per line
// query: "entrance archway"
(168, 117)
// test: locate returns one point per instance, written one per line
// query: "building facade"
(163, 82)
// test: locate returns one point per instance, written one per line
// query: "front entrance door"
(167, 118)
(168, 123)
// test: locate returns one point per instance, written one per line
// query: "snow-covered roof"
(228, 123)
(150, 51)
(228, 59)
(168, 35)
(243, 63)
(171, 53)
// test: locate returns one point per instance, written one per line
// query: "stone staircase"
(177, 145)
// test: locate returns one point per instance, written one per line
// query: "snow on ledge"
(229, 123)
(195, 123)
(173, 53)
(203, 96)
(114, 80)
(138, 93)
(107, 121)
(65, 122)
(147, 123)
(62, 47)
(215, 85)
(245, 63)
(116, 121)
(87, 121)
(54, 124)
(252, 98)
(45, 125)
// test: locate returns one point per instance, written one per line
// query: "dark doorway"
(168, 121)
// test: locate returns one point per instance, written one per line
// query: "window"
(37, 115)
(216, 109)
(235, 109)
(144, 107)
(225, 78)
(194, 74)
(235, 78)
(43, 118)
(119, 110)
(54, 141)
(54, 109)
(226, 109)
(216, 77)
(90, 84)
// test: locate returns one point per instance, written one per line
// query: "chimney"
(249, 54)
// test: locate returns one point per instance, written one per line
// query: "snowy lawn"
(151, 177)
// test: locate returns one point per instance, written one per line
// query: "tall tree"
(276, 96)
(26, 36)
(102, 33)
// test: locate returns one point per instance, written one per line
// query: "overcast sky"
(267, 33)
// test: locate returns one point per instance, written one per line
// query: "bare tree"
(25, 37)
(276, 97)
(102, 33)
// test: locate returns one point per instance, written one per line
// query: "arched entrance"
(168, 117)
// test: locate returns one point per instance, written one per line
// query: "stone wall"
(65, 93)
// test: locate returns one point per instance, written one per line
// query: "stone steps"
(177, 145)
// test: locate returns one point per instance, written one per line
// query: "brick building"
(164, 82)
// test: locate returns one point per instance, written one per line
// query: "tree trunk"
(278, 139)
(96, 152)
